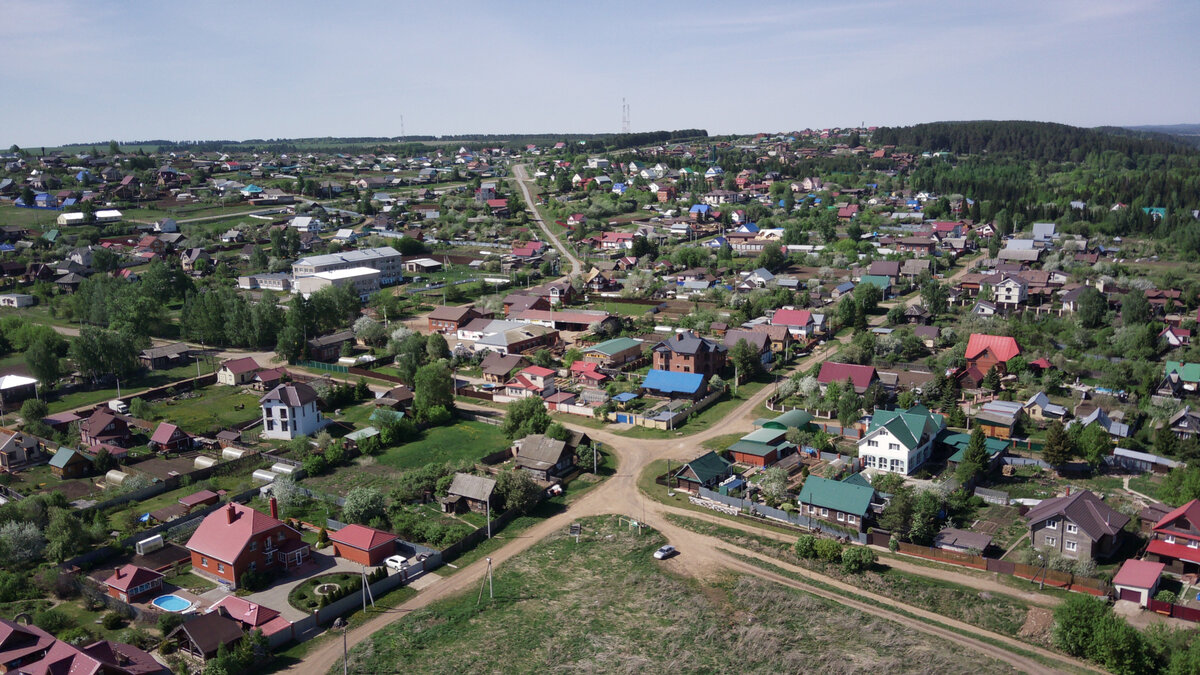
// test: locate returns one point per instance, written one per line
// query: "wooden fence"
(964, 559)
(1037, 573)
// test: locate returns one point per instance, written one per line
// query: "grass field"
(146, 380)
(214, 410)
(618, 307)
(462, 440)
(605, 605)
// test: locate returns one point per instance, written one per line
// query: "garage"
(1131, 595)
(1137, 581)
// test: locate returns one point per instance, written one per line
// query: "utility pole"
(341, 623)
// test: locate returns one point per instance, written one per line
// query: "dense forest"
(1042, 141)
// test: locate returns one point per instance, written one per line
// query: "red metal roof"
(245, 364)
(1139, 574)
(1003, 347)
(791, 317)
(1177, 551)
(197, 498)
(164, 433)
(537, 371)
(225, 532)
(362, 537)
(1189, 511)
(131, 576)
(861, 376)
(244, 611)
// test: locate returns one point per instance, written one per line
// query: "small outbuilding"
(1137, 581)
(129, 583)
(363, 545)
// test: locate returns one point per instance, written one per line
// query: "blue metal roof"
(625, 397)
(668, 382)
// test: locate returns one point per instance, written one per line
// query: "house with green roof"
(761, 447)
(707, 470)
(1179, 379)
(68, 463)
(844, 503)
(900, 441)
(614, 353)
(883, 283)
(957, 443)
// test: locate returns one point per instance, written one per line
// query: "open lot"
(39, 479)
(631, 613)
(217, 407)
(62, 399)
(464, 440)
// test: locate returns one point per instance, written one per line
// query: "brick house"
(104, 427)
(1177, 539)
(363, 545)
(237, 539)
(130, 582)
(170, 438)
(688, 353)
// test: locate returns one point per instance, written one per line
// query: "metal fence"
(766, 512)
(329, 367)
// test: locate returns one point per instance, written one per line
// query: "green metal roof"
(764, 436)
(840, 496)
(615, 345)
(792, 419)
(882, 282)
(857, 479)
(1188, 372)
(906, 425)
(60, 458)
(708, 466)
(994, 446)
(758, 449)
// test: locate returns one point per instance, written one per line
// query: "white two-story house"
(290, 411)
(900, 441)
(1010, 293)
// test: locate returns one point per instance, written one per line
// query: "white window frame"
(1070, 545)
(852, 520)
(824, 513)
(203, 561)
(841, 517)
(1072, 528)
(1170, 539)
(1051, 541)
(1192, 543)
(1052, 524)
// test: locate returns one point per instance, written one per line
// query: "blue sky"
(88, 71)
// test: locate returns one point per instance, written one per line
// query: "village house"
(1079, 525)
(237, 539)
(290, 411)
(900, 441)
(18, 449)
(846, 504)
(546, 458)
(688, 353)
(614, 353)
(761, 447)
(862, 377)
(468, 492)
(130, 583)
(236, 372)
(166, 356)
(445, 319)
(104, 426)
(498, 368)
(707, 471)
(170, 438)
(1177, 539)
(531, 381)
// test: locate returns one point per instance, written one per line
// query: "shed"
(1137, 580)
(363, 545)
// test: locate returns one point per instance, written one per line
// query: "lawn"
(189, 581)
(304, 597)
(464, 440)
(622, 308)
(630, 613)
(145, 380)
(213, 410)
(1147, 484)
(362, 472)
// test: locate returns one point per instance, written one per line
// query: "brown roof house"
(1078, 526)
(469, 492)
(543, 457)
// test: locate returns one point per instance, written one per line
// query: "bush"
(112, 621)
(53, 621)
(805, 546)
(828, 550)
(1166, 596)
(168, 623)
(857, 559)
(77, 636)
(438, 416)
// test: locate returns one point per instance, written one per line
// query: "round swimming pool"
(171, 603)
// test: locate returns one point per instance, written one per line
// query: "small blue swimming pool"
(171, 603)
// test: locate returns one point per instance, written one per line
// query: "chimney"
(274, 509)
(229, 513)
(117, 573)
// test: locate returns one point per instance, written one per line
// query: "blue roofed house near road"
(667, 383)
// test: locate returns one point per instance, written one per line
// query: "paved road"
(523, 181)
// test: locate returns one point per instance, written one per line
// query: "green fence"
(317, 365)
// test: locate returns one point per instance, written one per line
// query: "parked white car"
(396, 562)
(665, 552)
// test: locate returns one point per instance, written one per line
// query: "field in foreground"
(604, 605)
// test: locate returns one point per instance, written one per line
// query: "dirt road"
(523, 180)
